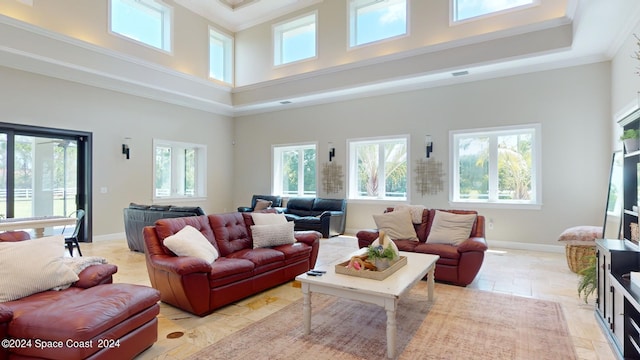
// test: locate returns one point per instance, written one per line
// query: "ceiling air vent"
(460, 73)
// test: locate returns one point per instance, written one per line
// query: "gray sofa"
(136, 217)
(327, 216)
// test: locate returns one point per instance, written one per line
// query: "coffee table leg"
(306, 308)
(391, 333)
(431, 282)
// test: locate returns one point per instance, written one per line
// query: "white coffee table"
(385, 293)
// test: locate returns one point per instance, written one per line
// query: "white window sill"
(493, 205)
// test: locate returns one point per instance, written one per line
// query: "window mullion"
(493, 168)
(382, 191)
(300, 172)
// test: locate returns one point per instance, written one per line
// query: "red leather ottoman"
(109, 321)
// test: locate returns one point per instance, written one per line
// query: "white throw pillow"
(415, 210)
(190, 242)
(397, 224)
(268, 218)
(272, 235)
(450, 228)
(33, 266)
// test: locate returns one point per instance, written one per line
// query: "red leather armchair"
(92, 319)
(457, 265)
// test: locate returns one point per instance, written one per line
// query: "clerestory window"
(144, 21)
(375, 20)
(295, 40)
(467, 9)
(220, 56)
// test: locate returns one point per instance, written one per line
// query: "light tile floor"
(525, 273)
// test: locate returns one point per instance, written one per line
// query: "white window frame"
(352, 193)
(276, 151)
(536, 163)
(280, 29)
(227, 45)
(352, 18)
(453, 10)
(165, 11)
(178, 172)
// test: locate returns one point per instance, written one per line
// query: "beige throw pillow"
(262, 205)
(397, 224)
(33, 266)
(272, 235)
(268, 218)
(190, 242)
(415, 210)
(450, 228)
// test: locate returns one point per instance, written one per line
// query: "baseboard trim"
(493, 244)
(110, 237)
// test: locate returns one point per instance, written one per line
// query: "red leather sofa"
(92, 319)
(457, 265)
(198, 287)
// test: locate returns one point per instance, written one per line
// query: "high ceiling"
(588, 31)
(599, 28)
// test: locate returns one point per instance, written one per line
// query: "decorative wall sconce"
(429, 144)
(332, 151)
(125, 148)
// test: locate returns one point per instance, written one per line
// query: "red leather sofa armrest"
(96, 275)
(5, 314)
(181, 265)
(366, 237)
(308, 237)
(473, 244)
(5, 317)
(311, 238)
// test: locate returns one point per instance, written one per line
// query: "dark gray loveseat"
(327, 216)
(136, 217)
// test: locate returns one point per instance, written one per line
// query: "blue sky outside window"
(374, 20)
(466, 9)
(216, 54)
(220, 56)
(143, 21)
(299, 44)
(295, 40)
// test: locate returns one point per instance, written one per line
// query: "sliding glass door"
(44, 172)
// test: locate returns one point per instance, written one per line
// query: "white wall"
(625, 96)
(572, 104)
(27, 98)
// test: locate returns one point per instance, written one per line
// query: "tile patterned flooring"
(524, 273)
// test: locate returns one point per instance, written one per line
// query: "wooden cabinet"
(618, 302)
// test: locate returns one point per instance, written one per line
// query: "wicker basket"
(634, 231)
(577, 256)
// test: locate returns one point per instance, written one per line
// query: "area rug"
(460, 324)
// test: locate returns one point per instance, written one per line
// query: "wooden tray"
(375, 275)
